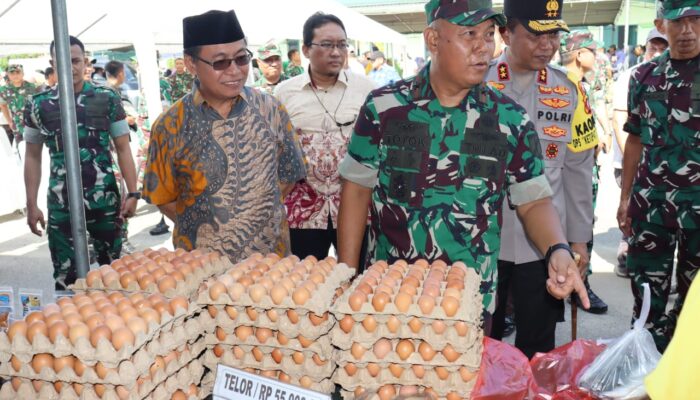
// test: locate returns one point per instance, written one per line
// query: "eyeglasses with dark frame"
(328, 46)
(220, 65)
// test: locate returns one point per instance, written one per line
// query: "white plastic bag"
(619, 371)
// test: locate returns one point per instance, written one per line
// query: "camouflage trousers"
(105, 229)
(650, 260)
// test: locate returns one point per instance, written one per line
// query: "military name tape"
(232, 383)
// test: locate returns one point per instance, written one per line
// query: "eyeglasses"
(330, 46)
(220, 65)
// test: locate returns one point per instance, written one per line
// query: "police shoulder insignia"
(542, 76)
(561, 90)
(545, 89)
(554, 131)
(503, 72)
(554, 102)
(552, 151)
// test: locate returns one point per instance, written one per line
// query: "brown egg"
(304, 341)
(218, 350)
(301, 296)
(317, 320)
(272, 315)
(93, 278)
(257, 354)
(359, 391)
(396, 370)
(450, 353)
(36, 328)
(346, 323)
(298, 357)
(409, 391)
(426, 351)
(386, 392)
(369, 323)
(178, 302)
(15, 363)
(220, 333)
(137, 325)
(263, 334)
(439, 327)
(238, 352)
(149, 315)
(78, 331)
(50, 309)
(450, 305)
(403, 301)
(357, 350)
(305, 382)
(356, 300)
(126, 279)
(431, 290)
(277, 355)
(58, 328)
(426, 304)
(393, 324)
(17, 328)
(282, 377)
(41, 361)
(113, 322)
(382, 288)
(453, 396)
(466, 374)
(409, 290)
(442, 373)
(404, 349)
(72, 319)
(122, 337)
(282, 339)
(452, 292)
(166, 283)
(318, 361)
(461, 328)
(235, 291)
(381, 348)
(232, 312)
(418, 370)
(216, 289)
(364, 288)
(380, 300)
(278, 293)
(373, 369)
(257, 292)
(350, 369)
(99, 333)
(415, 325)
(293, 316)
(243, 332)
(252, 313)
(288, 284)
(179, 395)
(16, 383)
(99, 389)
(128, 313)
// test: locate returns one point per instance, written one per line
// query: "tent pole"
(69, 126)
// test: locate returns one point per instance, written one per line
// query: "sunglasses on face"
(220, 65)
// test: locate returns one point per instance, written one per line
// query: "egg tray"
(125, 375)
(470, 308)
(322, 345)
(189, 287)
(319, 302)
(309, 368)
(207, 384)
(470, 359)
(362, 378)
(358, 334)
(105, 351)
(180, 380)
(283, 324)
(371, 394)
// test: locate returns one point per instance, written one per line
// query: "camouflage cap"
(675, 9)
(268, 50)
(15, 67)
(463, 12)
(576, 40)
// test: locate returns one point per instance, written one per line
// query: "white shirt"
(619, 103)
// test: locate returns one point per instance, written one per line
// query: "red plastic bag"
(504, 374)
(556, 372)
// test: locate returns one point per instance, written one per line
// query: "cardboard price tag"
(232, 383)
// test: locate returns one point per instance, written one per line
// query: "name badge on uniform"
(485, 141)
(407, 135)
(400, 186)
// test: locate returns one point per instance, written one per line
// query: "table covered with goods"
(162, 324)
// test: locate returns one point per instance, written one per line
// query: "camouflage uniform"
(664, 111)
(293, 70)
(266, 51)
(180, 85)
(15, 98)
(100, 117)
(165, 91)
(266, 87)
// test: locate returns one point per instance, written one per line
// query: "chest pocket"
(655, 117)
(97, 112)
(402, 171)
(553, 117)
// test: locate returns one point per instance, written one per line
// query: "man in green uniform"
(437, 155)
(101, 119)
(294, 67)
(180, 81)
(270, 63)
(660, 198)
(13, 96)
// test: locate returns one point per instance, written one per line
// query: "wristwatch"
(133, 195)
(556, 247)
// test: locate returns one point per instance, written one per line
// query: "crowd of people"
(486, 154)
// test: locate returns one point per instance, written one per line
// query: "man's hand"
(623, 221)
(564, 277)
(13, 127)
(34, 216)
(582, 250)
(129, 209)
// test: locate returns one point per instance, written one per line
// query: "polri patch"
(552, 151)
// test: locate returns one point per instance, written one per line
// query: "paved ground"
(25, 262)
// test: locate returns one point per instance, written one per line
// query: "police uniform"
(100, 118)
(440, 176)
(664, 112)
(550, 99)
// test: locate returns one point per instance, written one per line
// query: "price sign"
(234, 384)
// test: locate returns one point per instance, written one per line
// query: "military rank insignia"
(554, 131)
(503, 72)
(542, 76)
(552, 151)
(545, 89)
(561, 90)
(553, 102)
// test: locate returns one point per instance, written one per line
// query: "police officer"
(438, 155)
(100, 118)
(522, 72)
(660, 197)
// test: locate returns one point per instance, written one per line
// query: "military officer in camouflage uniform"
(13, 96)
(439, 156)
(660, 197)
(180, 81)
(100, 118)
(523, 72)
(270, 63)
